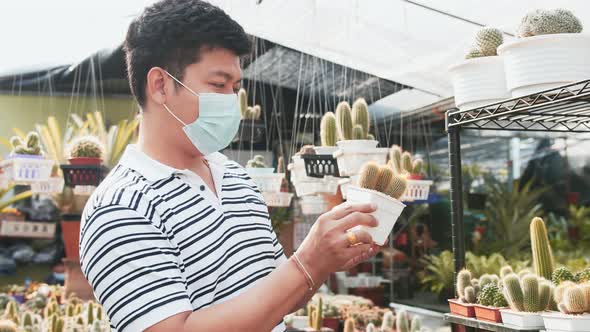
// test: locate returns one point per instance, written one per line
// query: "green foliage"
(562, 274)
(480, 265)
(438, 273)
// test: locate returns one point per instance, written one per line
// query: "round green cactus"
(328, 132)
(545, 22)
(488, 39)
(474, 53)
(369, 175)
(583, 276)
(559, 291)
(500, 300)
(86, 147)
(562, 274)
(487, 294)
(358, 132)
(470, 295)
(407, 162)
(574, 300)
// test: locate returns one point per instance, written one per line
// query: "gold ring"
(351, 236)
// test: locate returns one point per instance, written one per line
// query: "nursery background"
(478, 111)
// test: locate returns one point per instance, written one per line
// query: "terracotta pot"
(461, 309)
(490, 314)
(70, 229)
(76, 282)
(415, 177)
(85, 161)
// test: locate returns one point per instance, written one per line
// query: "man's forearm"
(260, 308)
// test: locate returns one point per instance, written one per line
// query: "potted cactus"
(86, 150)
(257, 165)
(316, 317)
(26, 162)
(550, 51)
(353, 127)
(490, 299)
(328, 135)
(404, 164)
(467, 290)
(527, 297)
(479, 79)
(381, 186)
(251, 128)
(263, 176)
(574, 306)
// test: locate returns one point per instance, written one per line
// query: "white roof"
(393, 39)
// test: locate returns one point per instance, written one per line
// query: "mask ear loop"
(179, 82)
(174, 115)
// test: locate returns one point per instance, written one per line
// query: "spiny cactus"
(388, 321)
(384, 179)
(500, 299)
(417, 166)
(470, 295)
(463, 281)
(397, 187)
(574, 301)
(29, 146)
(407, 162)
(253, 113)
(358, 133)
(513, 292)
(484, 280)
(360, 116)
(368, 175)
(583, 276)
(559, 291)
(87, 147)
(530, 290)
(243, 98)
(544, 22)
(487, 295)
(562, 274)
(402, 321)
(344, 121)
(545, 293)
(473, 53)
(541, 249)
(506, 270)
(349, 325)
(257, 162)
(328, 133)
(488, 39)
(395, 157)
(7, 326)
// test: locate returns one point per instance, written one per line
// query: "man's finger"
(345, 209)
(356, 219)
(360, 236)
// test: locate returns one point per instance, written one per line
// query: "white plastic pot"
(27, 169)
(313, 186)
(350, 163)
(346, 183)
(270, 182)
(523, 320)
(323, 150)
(545, 62)
(357, 145)
(388, 211)
(279, 199)
(478, 82)
(297, 169)
(49, 186)
(416, 190)
(557, 321)
(313, 205)
(84, 190)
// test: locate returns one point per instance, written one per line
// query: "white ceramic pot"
(545, 62)
(478, 82)
(329, 150)
(357, 145)
(523, 320)
(557, 321)
(388, 211)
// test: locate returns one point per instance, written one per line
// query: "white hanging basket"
(388, 211)
(49, 186)
(313, 186)
(350, 163)
(25, 170)
(313, 205)
(545, 62)
(253, 171)
(478, 82)
(279, 199)
(416, 190)
(297, 169)
(84, 190)
(270, 182)
(4, 181)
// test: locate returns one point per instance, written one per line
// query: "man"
(177, 237)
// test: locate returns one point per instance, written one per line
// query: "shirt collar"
(154, 170)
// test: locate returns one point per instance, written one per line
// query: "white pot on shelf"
(538, 63)
(388, 211)
(522, 320)
(478, 82)
(557, 321)
(356, 145)
(253, 171)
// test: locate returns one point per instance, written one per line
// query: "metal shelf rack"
(563, 109)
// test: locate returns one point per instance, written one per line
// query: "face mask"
(218, 121)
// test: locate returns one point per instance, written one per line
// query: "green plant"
(579, 216)
(574, 301)
(562, 274)
(508, 212)
(482, 265)
(488, 39)
(438, 272)
(407, 162)
(360, 117)
(473, 53)
(541, 249)
(382, 179)
(513, 292)
(357, 132)
(11, 311)
(344, 122)
(388, 322)
(243, 98)
(30, 145)
(544, 22)
(86, 147)
(417, 166)
(506, 270)
(328, 133)
(583, 275)
(257, 162)
(528, 293)
(395, 158)
(402, 321)
(465, 288)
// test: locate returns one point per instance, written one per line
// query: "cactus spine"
(360, 116)
(530, 290)
(513, 292)
(344, 121)
(541, 249)
(328, 132)
(368, 176)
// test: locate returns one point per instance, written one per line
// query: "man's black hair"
(172, 33)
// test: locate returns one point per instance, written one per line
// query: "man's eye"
(217, 85)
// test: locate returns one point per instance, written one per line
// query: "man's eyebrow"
(225, 75)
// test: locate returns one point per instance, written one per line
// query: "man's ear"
(158, 85)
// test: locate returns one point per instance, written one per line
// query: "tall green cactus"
(243, 97)
(360, 116)
(395, 157)
(328, 132)
(541, 249)
(402, 321)
(344, 121)
(530, 290)
(388, 321)
(358, 133)
(463, 281)
(513, 292)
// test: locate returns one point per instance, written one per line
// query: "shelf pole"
(456, 198)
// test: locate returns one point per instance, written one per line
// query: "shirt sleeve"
(132, 268)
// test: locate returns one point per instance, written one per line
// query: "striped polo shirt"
(156, 241)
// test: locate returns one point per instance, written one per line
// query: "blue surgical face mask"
(218, 121)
